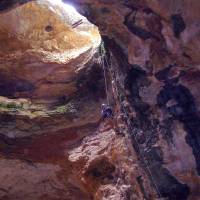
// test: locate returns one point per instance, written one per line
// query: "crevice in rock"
(100, 170)
(48, 28)
(140, 182)
(91, 81)
(184, 110)
(142, 33)
(138, 31)
(187, 56)
(168, 185)
(9, 86)
(178, 24)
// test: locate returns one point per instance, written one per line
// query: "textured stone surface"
(47, 81)
(152, 48)
(155, 45)
(34, 60)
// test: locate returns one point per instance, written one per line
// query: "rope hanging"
(103, 57)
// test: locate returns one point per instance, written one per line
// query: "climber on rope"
(106, 111)
(77, 23)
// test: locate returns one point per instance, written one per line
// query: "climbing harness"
(130, 125)
(106, 111)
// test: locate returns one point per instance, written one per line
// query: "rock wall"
(150, 150)
(153, 46)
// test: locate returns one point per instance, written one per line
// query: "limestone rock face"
(53, 143)
(154, 49)
(50, 94)
(38, 48)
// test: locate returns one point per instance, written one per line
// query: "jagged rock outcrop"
(38, 52)
(47, 86)
(150, 150)
(153, 47)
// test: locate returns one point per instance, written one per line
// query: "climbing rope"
(132, 131)
(103, 58)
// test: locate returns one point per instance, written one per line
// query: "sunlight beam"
(67, 7)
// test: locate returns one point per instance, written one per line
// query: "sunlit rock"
(39, 48)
